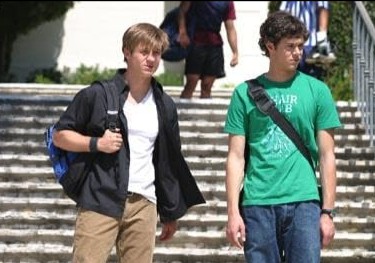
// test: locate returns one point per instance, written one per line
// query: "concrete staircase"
(37, 220)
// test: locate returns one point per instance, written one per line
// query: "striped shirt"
(307, 12)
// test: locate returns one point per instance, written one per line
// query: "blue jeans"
(289, 232)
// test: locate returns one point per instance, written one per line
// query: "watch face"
(330, 212)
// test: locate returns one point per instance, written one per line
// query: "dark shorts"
(205, 61)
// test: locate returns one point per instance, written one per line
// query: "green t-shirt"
(276, 171)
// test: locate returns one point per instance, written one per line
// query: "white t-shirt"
(143, 129)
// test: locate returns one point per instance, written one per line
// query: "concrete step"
(189, 135)
(40, 253)
(40, 102)
(45, 175)
(13, 147)
(201, 162)
(35, 219)
(33, 89)
(234, 255)
(45, 114)
(211, 191)
(181, 239)
(218, 127)
(54, 190)
(47, 90)
(365, 208)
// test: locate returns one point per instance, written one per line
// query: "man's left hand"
(168, 230)
(327, 230)
(234, 60)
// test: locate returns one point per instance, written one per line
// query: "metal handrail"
(363, 66)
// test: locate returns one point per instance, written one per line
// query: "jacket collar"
(123, 85)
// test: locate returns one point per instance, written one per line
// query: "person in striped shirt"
(317, 49)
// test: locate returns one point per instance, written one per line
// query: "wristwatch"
(330, 212)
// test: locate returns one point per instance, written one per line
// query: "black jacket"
(99, 181)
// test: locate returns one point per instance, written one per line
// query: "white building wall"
(250, 16)
(91, 34)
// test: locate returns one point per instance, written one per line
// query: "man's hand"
(168, 230)
(110, 142)
(327, 230)
(236, 231)
(234, 60)
(184, 40)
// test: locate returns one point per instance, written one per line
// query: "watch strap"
(330, 212)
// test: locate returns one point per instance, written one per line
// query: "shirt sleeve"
(231, 14)
(236, 115)
(76, 115)
(328, 117)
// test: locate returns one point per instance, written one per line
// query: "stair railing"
(363, 66)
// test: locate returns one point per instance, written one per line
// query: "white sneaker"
(321, 54)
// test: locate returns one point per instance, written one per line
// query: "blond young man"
(136, 172)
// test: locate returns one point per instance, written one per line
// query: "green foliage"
(339, 79)
(339, 76)
(340, 33)
(86, 74)
(19, 17)
(228, 85)
(273, 6)
(47, 76)
(83, 75)
(170, 79)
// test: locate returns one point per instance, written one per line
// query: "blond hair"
(146, 34)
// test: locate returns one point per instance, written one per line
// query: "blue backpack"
(175, 52)
(61, 159)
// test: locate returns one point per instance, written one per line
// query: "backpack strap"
(110, 90)
(267, 106)
(256, 91)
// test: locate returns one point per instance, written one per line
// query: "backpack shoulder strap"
(267, 106)
(256, 91)
(112, 103)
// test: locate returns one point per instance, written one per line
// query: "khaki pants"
(134, 235)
